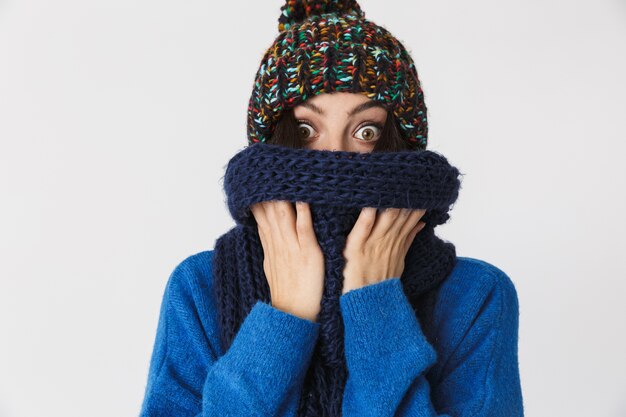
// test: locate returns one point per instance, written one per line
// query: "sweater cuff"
(379, 321)
(274, 343)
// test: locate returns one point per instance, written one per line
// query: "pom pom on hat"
(295, 11)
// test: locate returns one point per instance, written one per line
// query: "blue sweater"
(467, 366)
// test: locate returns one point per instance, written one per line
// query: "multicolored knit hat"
(328, 46)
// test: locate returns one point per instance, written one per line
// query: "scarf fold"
(336, 184)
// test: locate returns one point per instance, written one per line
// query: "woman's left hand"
(377, 245)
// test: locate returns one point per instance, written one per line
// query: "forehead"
(351, 102)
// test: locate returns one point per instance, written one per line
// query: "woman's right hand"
(293, 260)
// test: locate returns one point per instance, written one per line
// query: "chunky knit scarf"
(336, 184)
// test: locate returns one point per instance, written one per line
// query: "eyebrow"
(361, 107)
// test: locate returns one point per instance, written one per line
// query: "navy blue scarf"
(336, 184)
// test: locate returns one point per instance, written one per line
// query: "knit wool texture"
(326, 46)
(336, 184)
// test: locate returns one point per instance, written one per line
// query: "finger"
(259, 216)
(363, 226)
(258, 211)
(385, 220)
(282, 216)
(399, 226)
(414, 217)
(304, 224)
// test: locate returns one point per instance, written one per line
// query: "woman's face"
(340, 121)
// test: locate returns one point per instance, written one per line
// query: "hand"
(377, 245)
(293, 260)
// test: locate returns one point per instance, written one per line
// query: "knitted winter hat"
(328, 46)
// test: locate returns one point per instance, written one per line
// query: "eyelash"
(366, 123)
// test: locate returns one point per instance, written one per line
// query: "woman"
(332, 295)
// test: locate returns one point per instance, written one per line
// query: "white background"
(117, 119)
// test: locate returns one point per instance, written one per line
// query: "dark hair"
(286, 134)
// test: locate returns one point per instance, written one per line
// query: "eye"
(305, 131)
(369, 133)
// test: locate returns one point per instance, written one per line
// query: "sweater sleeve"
(259, 375)
(388, 356)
